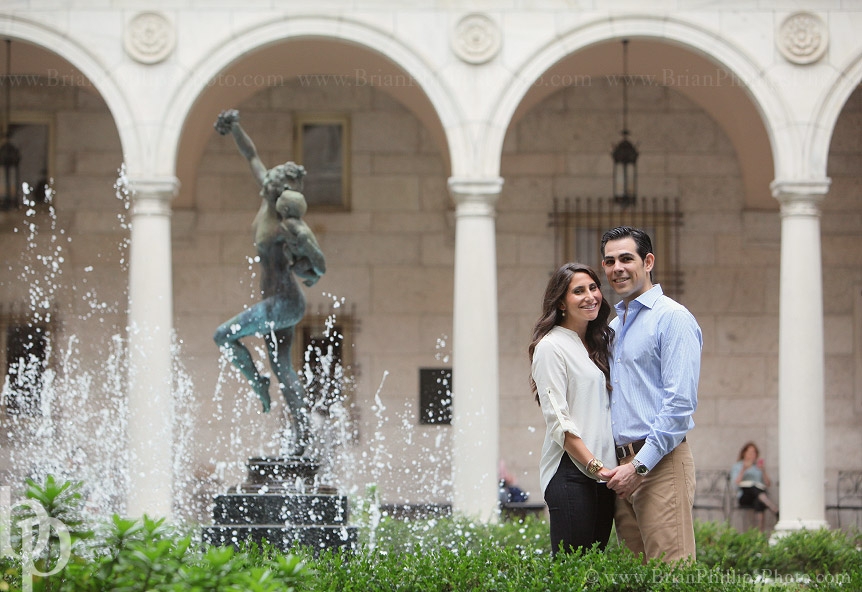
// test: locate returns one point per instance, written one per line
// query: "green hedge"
(449, 554)
(456, 554)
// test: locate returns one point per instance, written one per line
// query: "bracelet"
(594, 466)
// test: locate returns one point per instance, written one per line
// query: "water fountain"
(39, 440)
(80, 432)
(288, 499)
(281, 500)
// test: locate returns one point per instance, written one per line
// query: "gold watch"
(594, 466)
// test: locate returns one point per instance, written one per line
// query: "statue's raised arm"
(228, 123)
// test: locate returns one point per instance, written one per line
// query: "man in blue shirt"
(655, 368)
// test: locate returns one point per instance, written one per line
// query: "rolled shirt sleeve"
(549, 372)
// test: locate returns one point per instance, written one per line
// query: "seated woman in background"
(749, 476)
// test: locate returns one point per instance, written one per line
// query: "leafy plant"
(407, 535)
(63, 501)
(720, 545)
(442, 554)
(485, 565)
(147, 555)
(825, 559)
(51, 523)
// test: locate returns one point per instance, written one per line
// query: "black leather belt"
(632, 448)
(629, 449)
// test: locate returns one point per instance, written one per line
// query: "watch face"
(642, 470)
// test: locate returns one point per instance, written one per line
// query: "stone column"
(801, 442)
(150, 329)
(475, 365)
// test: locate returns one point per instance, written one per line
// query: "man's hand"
(625, 480)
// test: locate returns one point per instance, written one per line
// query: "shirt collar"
(651, 296)
(647, 299)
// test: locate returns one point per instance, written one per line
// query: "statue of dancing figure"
(286, 247)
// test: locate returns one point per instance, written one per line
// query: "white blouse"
(574, 399)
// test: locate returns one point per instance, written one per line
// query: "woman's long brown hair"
(599, 335)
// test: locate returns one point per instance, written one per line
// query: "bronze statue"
(287, 248)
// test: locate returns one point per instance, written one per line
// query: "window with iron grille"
(435, 395)
(579, 224)
(323, 356)
(26, 352)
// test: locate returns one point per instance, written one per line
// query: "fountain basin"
(281, 502)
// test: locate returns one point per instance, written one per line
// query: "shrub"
(484, 565)
(826, 559)
(720, 545)
(445, 554)
(146, 555)
(812, 559)
(399, 536)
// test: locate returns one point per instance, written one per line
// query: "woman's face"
(582, 300)
(750, 454)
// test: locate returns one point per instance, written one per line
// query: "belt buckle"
(624, 451)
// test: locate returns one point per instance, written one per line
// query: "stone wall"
(842, 293)
(391, 259)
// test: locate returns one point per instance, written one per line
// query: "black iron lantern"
(10, 156)
(625, 154)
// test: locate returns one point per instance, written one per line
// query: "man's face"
(627, 273)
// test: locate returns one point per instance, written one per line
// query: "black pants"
(750, 499)
(581, 509)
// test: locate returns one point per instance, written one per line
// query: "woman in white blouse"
(571, 381)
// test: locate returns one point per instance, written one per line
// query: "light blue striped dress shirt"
(655, 369)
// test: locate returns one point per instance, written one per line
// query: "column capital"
(151, 196)
(475, 197)
(800, 197)
(162, 186)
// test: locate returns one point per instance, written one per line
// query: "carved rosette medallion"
(476, 39)
(803, 38)
(149, 38)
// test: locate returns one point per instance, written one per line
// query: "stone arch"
(335, 29)
(94, 71)
(828, 111)
(771, 109)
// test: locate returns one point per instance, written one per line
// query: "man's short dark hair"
(641, 238)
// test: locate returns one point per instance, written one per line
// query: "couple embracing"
(618, 401)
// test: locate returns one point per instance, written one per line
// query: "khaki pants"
(657, 518)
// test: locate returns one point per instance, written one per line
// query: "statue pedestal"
(280, 503)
